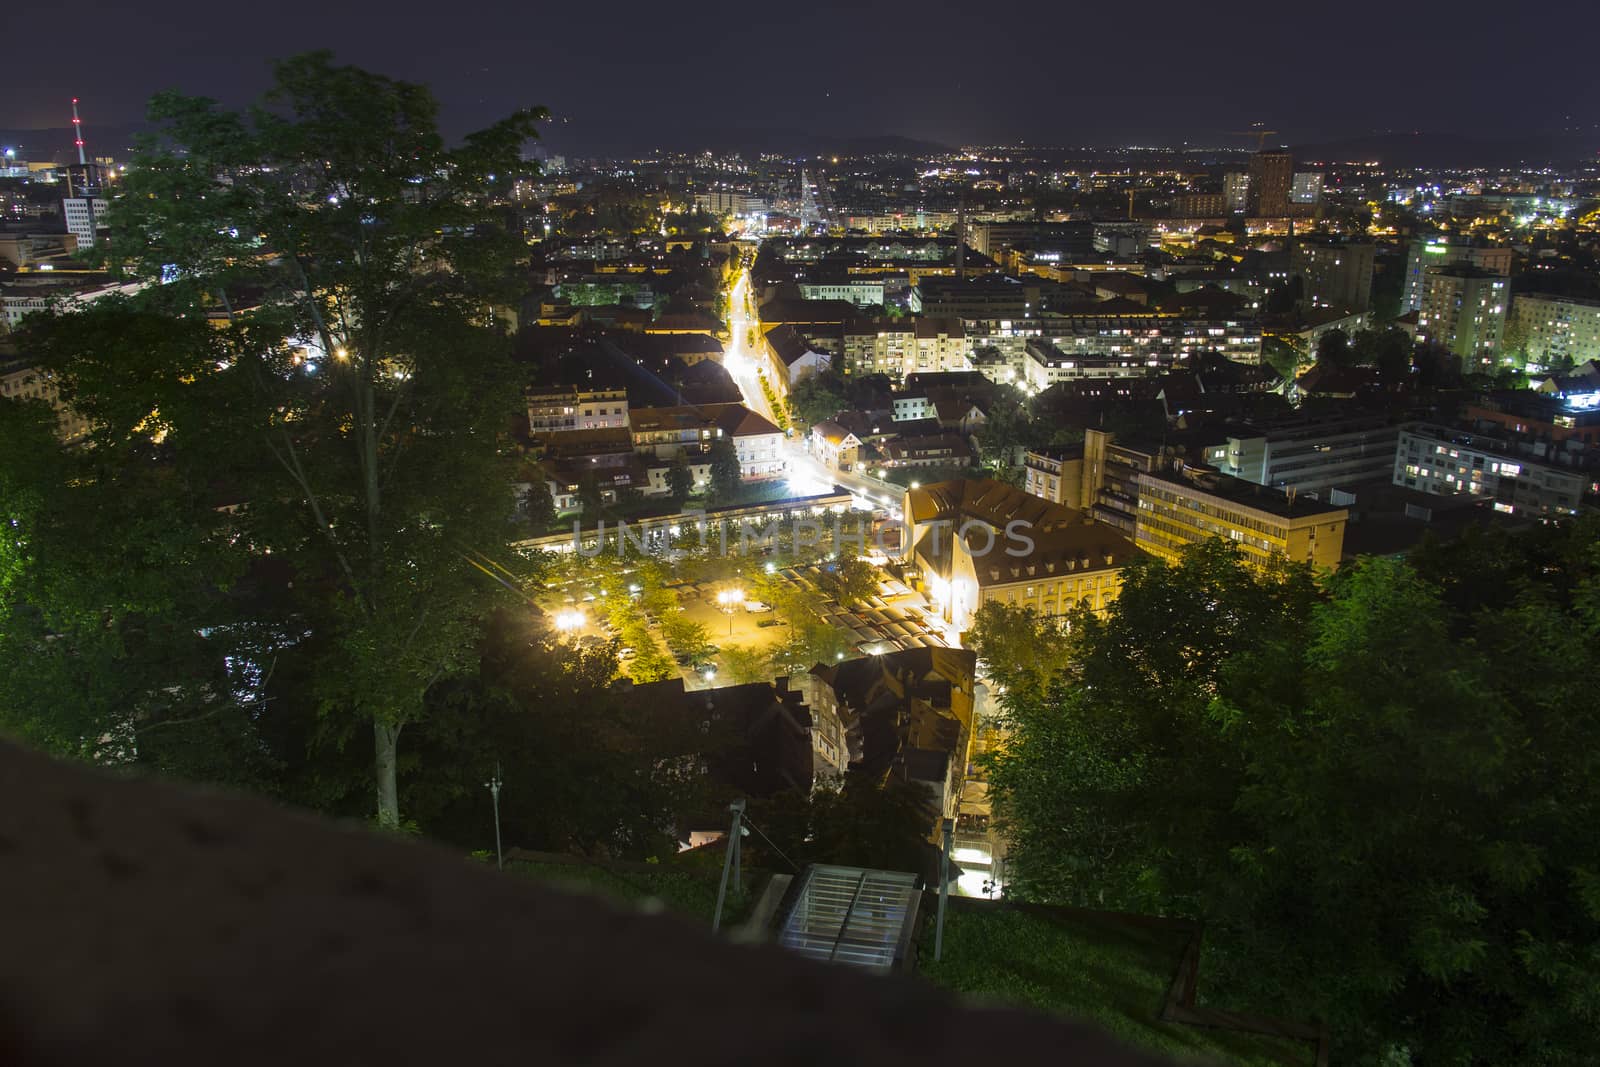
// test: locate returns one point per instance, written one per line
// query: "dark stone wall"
(146, 923)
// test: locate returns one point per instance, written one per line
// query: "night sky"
(629, 74)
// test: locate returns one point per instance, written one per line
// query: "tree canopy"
(1378, 796)
(310, 390)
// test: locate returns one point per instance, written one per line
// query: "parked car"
(757, 607)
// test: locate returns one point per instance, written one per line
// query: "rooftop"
(1199, 481)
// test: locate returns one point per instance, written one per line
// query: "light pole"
(493, 785)
(729, 600)
(568, 621)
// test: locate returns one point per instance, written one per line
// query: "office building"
(1449, 462)
(1442, 252)
(1553, 330)
(1188, 507)
(1464, 309)
(1335, 274)
(85, 217)
(1311, 456)
(1271, 178)
(993, 238)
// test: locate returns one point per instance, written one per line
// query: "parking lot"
(896, 618)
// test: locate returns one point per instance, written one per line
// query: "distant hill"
(1451, 150)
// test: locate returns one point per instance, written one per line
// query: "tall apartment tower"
(1426, 253)
(1236, 192)
(1271, 179)
(1464, 309)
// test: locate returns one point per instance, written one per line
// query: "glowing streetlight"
(568, 621)
(729, 601)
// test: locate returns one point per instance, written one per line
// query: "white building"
(1447, 462)
(1549, 330)
(85, 215)
(1464, 309)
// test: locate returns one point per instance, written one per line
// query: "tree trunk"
(388, 738)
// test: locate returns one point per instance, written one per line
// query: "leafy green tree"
(680, 482)
(743, 664)
(726, 478)
(356, 402)
(1016, 645)
(616, 788)
(539, 507)
(852, 580)
(1376, 797)
(687, 639)
(856, 823)
(1333, 349)
(818, 397)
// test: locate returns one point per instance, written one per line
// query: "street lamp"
(729, 601)
(493, 786)
(568, 621)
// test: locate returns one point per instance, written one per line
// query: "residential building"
(1562, 420)
(834, 446)
(1190, 506)
(1306, 188)
(1335, 274)
(941, 346)
(991, 299)
(791, 356)
(566, 410)
(926, 450)
(1046, 365)
(1110, 490)
(1056, 474)
(1553, 330)
(980, 541)
(1309, 455)
(1449, 252)
(690, 431)
(21, 379)
(1236, 192)
(1464, 309)
(1199, 205)
(1271, 178)
(904, 716)
(1446, 462)
(879, 346)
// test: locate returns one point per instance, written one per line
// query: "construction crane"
(1257, 131)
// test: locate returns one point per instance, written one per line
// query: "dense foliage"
(1379, 796)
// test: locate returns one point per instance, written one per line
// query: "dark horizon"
(629, 77)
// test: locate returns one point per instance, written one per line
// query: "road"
(744, 363)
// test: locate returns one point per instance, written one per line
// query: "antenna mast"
(77, 131)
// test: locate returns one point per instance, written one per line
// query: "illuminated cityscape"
(952, 541)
